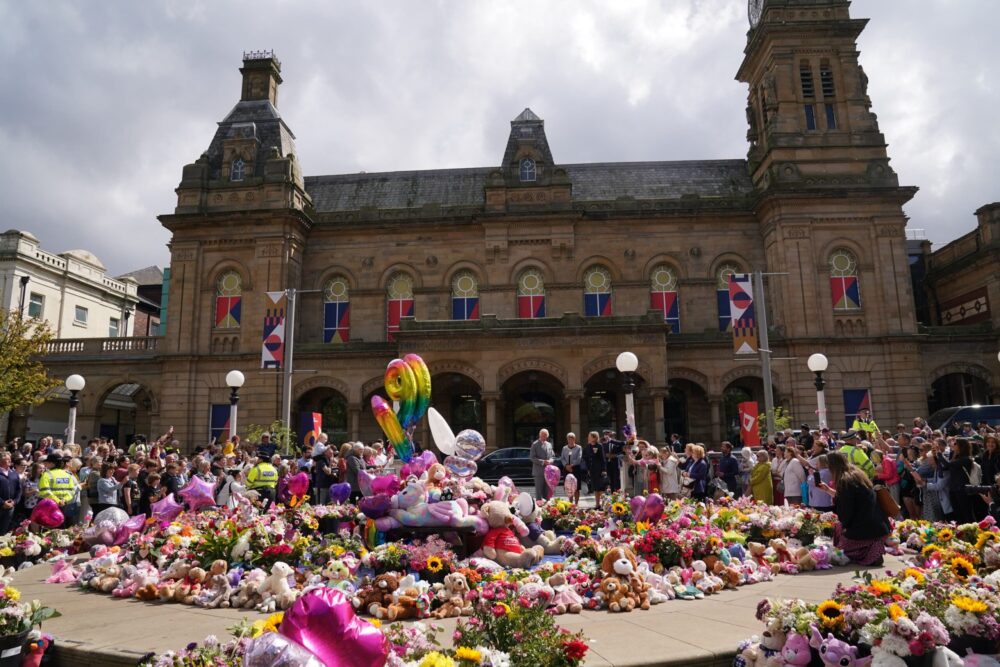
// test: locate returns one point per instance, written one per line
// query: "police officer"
(263, 478)
(856, 455)
(60, 485)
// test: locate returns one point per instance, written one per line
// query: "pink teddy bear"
(795, 653)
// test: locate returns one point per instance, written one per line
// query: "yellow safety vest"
(57, 484)
(262, 475)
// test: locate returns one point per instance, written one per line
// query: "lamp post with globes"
(627, 363)
(75, 384)
(234, 380)
(817, 363)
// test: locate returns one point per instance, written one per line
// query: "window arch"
(530, 294)
(336, 311)
(844, 285)
(527, 170)
(597, 292)
(399, 295)
(237, 170)
(722, 294)
(663, 295)
(228, 300)
(464, 296)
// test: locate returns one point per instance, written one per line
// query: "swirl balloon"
(408, 383)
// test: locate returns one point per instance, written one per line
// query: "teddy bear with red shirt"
(501, 543)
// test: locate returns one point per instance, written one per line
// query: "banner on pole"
(219, 422)
(741, 310)
(272, 351)
(310, 426)
(749, 433)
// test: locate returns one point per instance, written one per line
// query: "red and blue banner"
(398, 309)
(310, 427)
(227, 312)
(530, 307)
(597, 305)
(855, 400)
(667, 303)
(722, 305)
(741, 313)
(337, 322)
(272, 351)
(846, 293)
(219, 422)
(465, 307)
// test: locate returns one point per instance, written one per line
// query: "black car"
(514, 462)
(950, 420)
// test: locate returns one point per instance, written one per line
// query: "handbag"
(804, 492)
(886, 502)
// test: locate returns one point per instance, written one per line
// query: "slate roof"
(252, 118)
(599, 181)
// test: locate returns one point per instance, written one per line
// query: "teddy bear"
(501, 544)
(408, 601)
(660, 590)
(191, 587)
(758, 552)
(147, 579)
(804, 560)
(616, 595)
(245, 595)
(109, 579)
(729, 574)
(216, 593)
(436, 476)
(550, 543)
(784, 560)
(376, 596)
(534, 589)
(621, 561)
(275, 591)
(337, 574)
(454, 596)
(129, 581)
(565, 598)
(794, 652)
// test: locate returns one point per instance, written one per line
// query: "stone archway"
(531, 400)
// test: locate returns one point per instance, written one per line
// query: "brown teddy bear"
(616, 595)
(404, 605)
(454, 594)
(501, 544)
(621, 562)
(729, 574)
(376, 597)
(189, 589)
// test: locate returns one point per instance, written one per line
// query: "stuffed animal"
(753, 654)
(408, 601)
(126, 587)
(621, 561)
(376, 597)
(728, 574)
(501, 544)
(821, 556)
(659, 590)
(565, 599)
(146, 580)
(275, 590)
(784, 561)
(410, 507)
(758, 554)
(836, 653)
(615, 593)
(455, 597)
(804, 560)
(216, 594)
(437, 474)
(245, 595)
(337, 574)
(191, 586)
(532, 518)
(794, 653)
(109, 579)
(63, 572)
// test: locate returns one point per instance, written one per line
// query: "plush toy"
(245, 596)
(410, 507)
(783, 559)
(975, 660)
(804, 560)
(376, 597)
(454, 596)
(821, 556)
(109, 579)
(758, 554)
(63, 572)
(615, 593)
(658, 590)
(794, 653)
(501, 544)
(621, 561)
(437, 474)
(728, 574)
(531, 514)
(410, 600)
(754, 654)
(835, 653)
(565, 598)
(126, 587)
(191, 586)
(147, 579)
(216, 593)
(275, 591)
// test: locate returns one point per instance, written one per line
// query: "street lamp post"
(627, 363)
(75, 384)
(817, 363)
(234, 380)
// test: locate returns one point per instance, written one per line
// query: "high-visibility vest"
(868, 426)
(57, 484)
(857, 456)
(262, 475)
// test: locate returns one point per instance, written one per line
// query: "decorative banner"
(219, 422)
(741, 311)
(310, 426)
(855, 400)
(272, 352)
(845, 292)
(749, 433)
(530, 306)
(970, 308)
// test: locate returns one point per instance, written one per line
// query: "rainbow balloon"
(407, 382)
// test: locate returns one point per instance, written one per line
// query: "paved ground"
(96, 629)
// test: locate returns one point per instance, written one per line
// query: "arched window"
(336, 311)
(464, 296)
(844, 287)
(228, 297)
(722, 294)
(237, 171)
(663, 295)
(530, 294)
(527, 170)
(399, 295)
(597, 292)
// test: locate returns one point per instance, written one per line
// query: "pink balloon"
(324, 622)
(198, 493)
(570, 483)
(133, 525)
(386, 484)
(47, 513)
(654, 508)
(551, 477)
(406, 471)
(166, 509)
(299, 484)
(365, 479)
(638, 506)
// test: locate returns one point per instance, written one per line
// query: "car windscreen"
(940, 417)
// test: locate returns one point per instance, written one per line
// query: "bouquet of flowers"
(17, 617)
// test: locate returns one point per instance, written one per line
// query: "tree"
(782, 420)
(23, 377)
(281, 435)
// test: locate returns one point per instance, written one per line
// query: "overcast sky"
(104, 102)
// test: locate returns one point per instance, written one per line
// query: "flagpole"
(286, 407)
(760, 310)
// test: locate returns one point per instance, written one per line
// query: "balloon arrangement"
(298, 485)
(462, 450)
(408, 383)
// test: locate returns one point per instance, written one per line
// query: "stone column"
(574, 398)
(715, 405)
(489, 399)
(354, 421)
(659, 418)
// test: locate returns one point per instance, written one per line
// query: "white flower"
(893, 643)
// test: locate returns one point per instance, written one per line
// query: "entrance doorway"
(533, 400)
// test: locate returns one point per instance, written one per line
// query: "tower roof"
(529, 129)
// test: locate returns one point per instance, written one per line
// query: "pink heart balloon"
(166, 509)
(47, 513)
(386, 484)
(638, 507)
(365, 480)
(324, 622)
(133, 525)
(551, 477)
(654, 508)
(198, 493)
(299, 484)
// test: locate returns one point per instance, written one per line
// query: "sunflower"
(435, 564)
(374, 621)
(830, 613)
(962, 568)
(466, 654)
(945, 535)
(583, 530)
(880, 587)
(896, 612)
(273, 621)
(930, 550)
(619, 509)
(436, 659)
(915, 574)
(969, 604)
(985, 538)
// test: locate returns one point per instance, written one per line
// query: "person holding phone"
(820, 476)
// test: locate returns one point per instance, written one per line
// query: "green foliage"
(782, 420)
(282, 435)
(23, 377)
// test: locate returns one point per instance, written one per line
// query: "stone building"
(520, 282)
